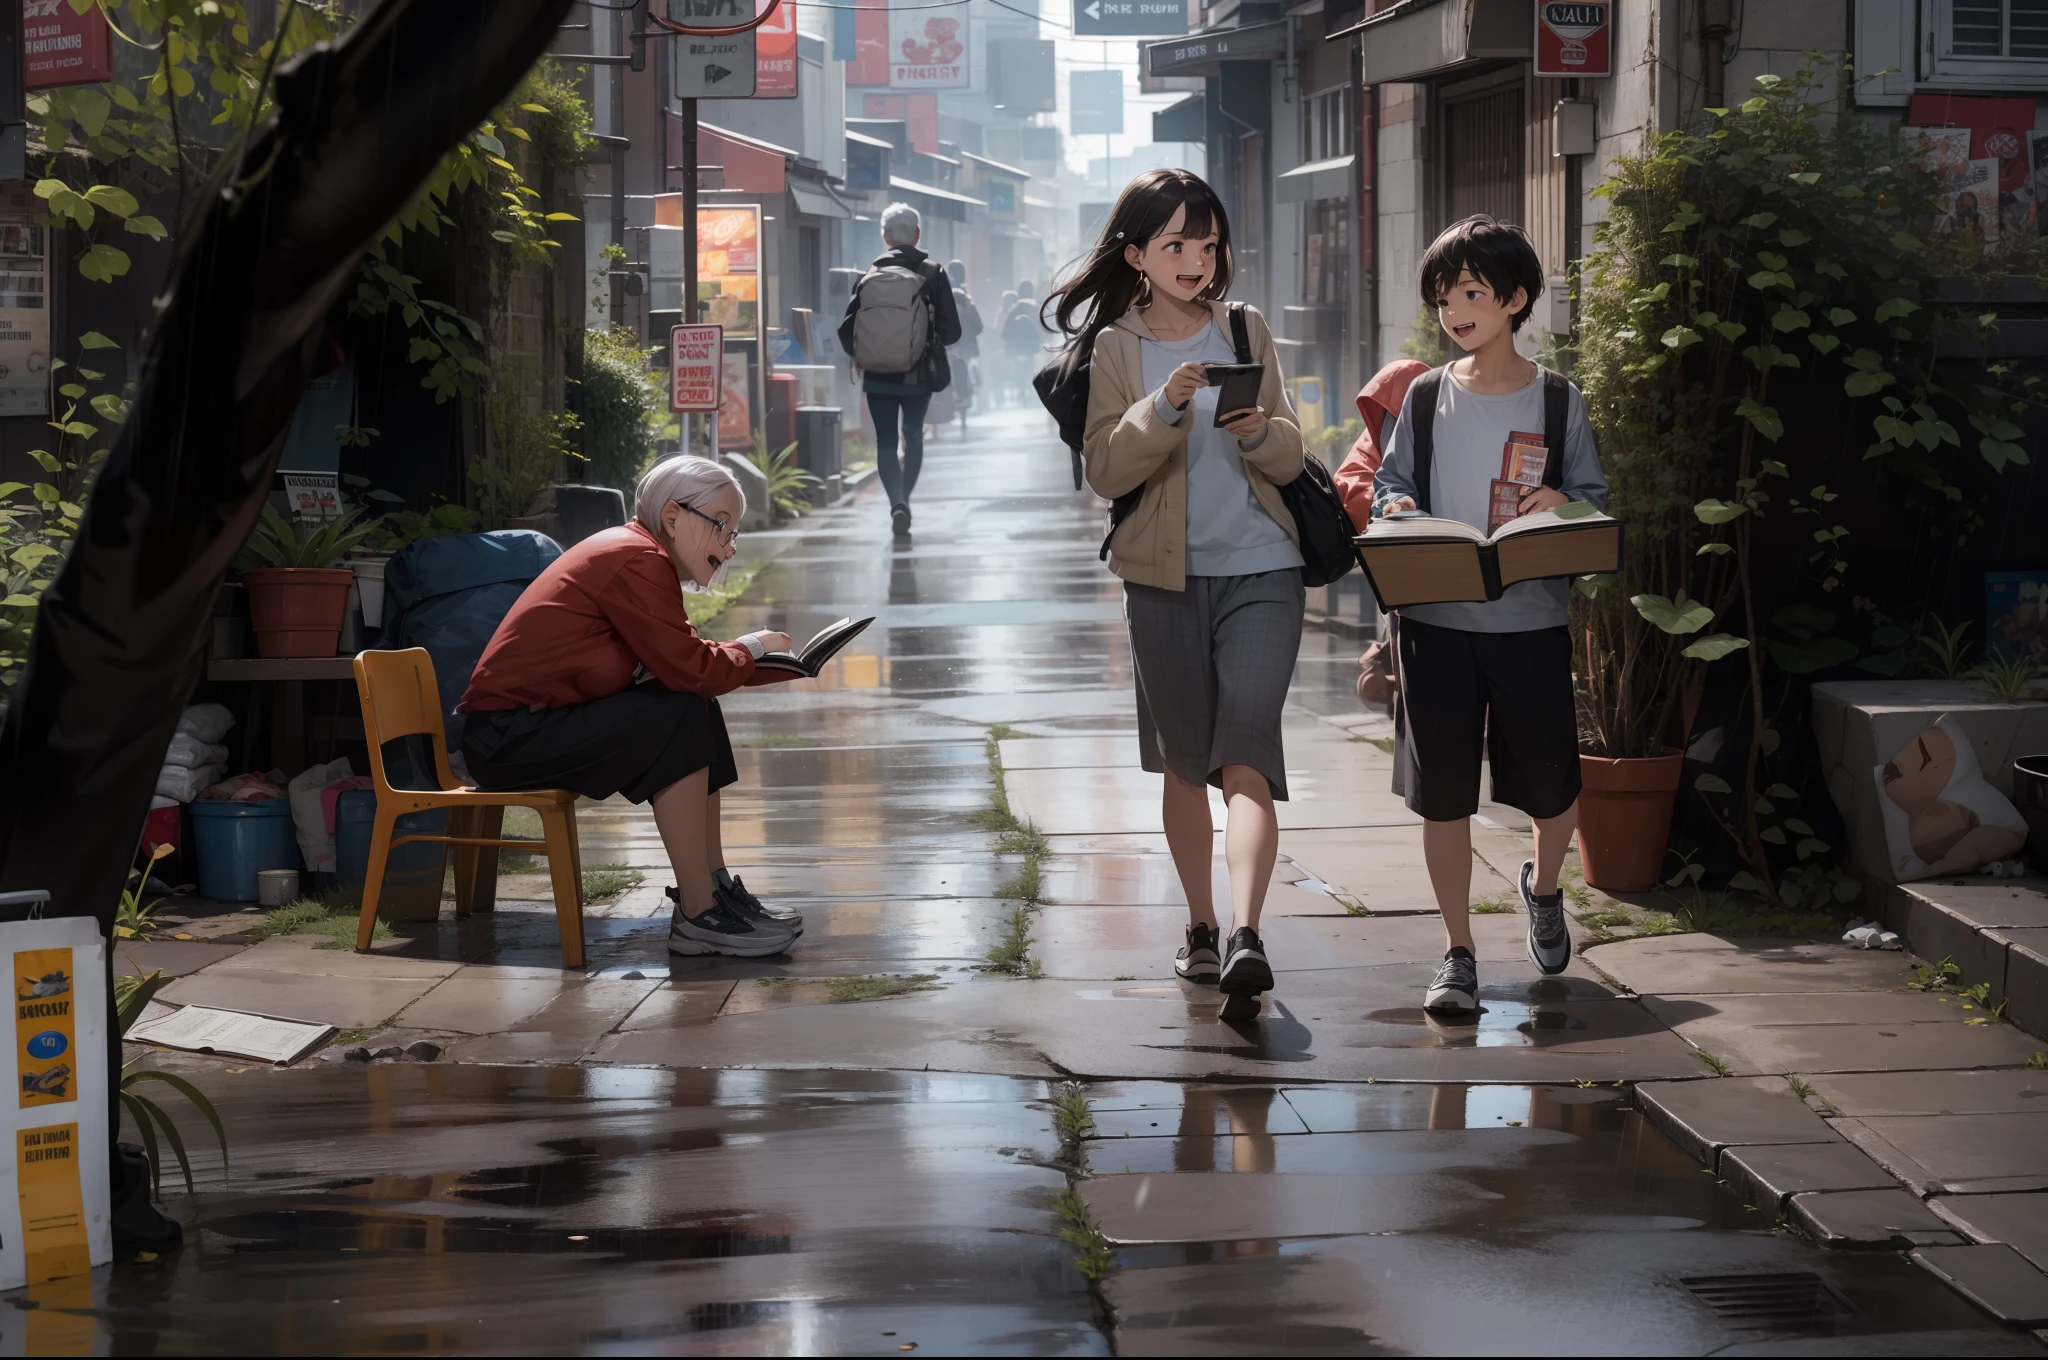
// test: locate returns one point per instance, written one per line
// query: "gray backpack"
(893, 327)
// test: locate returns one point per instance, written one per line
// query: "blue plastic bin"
(235, 841)
(412, 875)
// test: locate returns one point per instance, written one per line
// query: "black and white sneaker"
(723, 930)
(899, 519)
(1455, 990)
(1198, 960)
(1550, 939)
(746, 904)
(1245, 970)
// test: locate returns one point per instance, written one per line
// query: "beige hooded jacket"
(1127, 445)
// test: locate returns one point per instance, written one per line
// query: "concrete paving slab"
(1957, 1154)
(1066, 753)
(1995, 1278)
(2015, 1090)
(1767, 1176)
(345, 1002)
(1887, 1219)
(2020, 1221)
(175, 958)
(2025, 989)
(1985, 902)
(1700, 964)
(1703, 1117)
(1203, 1112)
(302, 954)
(1381, 868)
(1126, 800)
(1227, 1207)
(485, 1004)
(562, 1031)
(679, 1005)
(1839, 1032)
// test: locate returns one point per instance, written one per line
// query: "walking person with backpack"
(964, 356)
(1207, 547)
(898, 322)
(1490, 679)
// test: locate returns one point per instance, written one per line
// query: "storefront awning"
(1420, 39)
(944, 202)
(817, 200)
(1187, 121)
(1203, 54)
(1316, 180)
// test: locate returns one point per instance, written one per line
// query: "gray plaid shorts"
(1213, 664)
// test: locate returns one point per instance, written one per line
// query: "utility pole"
(615, 275)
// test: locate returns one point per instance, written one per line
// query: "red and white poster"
(928, 51)
(1574, 38)
(60, 46)
(695, 366)
(775, 54)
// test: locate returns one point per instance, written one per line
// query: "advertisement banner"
(775, 64)
(60, 46)
(735, 409)
(695, 365)
(24, 309)
(729, 268)
(1574, 38)
(927, 51)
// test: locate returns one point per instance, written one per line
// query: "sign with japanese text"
(1574, 38)
(24, 307)
(695, 363)
(715, 68)
(927, 51)
(775, 64)
(60, 46)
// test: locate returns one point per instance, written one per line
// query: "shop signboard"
(24, 307)
(60, 46)
(1574, 38)
(1130, 18)
(775, 63)
(928, 51)
(729, 268)
(695, 367)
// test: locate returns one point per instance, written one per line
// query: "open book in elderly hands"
(1417, 559)
(808, 660)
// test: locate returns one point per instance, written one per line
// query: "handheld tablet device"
(1239, 384)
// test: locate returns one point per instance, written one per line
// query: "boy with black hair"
(1496, 676)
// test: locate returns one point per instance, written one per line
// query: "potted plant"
(296, 600)
(1759, 268)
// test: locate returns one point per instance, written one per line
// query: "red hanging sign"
(775, 74)
(60, 46)
(695, 355)
(1574, 38)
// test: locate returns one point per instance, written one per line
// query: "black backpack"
(1422, 426)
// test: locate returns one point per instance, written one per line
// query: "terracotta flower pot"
(297, 611)
(1625, 818)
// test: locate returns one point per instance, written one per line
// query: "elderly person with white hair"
(597, 682)
(902, 293)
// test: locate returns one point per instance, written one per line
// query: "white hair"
(900, 224)
(686, 478)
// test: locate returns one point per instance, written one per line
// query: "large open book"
(202, 1029)
(823, 646)
(1422, 560)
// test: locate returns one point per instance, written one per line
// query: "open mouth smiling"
(1463, 329)
(1188, 280)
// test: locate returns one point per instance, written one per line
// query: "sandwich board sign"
(695, 355)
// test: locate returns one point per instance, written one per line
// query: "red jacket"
(1377, 400)
(587, 625)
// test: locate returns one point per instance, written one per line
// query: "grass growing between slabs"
(334, 914)
(1073, 1123)
(1011, 953)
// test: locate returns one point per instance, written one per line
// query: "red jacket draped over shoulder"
(1378, 399)
(588, 625)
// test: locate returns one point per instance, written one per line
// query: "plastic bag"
(247, 788)
(183, 783)
(316, 838)
(189, 751)
(206, 722)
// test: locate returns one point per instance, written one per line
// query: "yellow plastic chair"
(400, 700)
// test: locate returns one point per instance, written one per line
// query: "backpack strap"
(1557, 398)
(1422, 424)
(1240, 339)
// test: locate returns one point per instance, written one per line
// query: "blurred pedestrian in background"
(1023, 339)
(898, 323)
(965, 356)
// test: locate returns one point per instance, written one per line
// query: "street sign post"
(1129, 18)
(695, 365)
(715, 68)
(1574, 38)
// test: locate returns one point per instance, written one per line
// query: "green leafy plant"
(281, 542)
(2004, 677)
(401, 528)
(134, 919)
(1715, 1063)
(624, 408)
(132, 995)
(1943, 652)
(789, 486)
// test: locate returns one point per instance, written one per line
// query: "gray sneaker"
(749, 906)
(1455, 990)
(722, 930)
(1550, 939)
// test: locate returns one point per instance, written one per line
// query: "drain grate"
(1772, 1301)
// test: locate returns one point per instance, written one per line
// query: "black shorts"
(1508, 692)
(636, 743)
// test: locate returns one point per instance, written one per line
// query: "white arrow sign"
(1093, 9)
(715, 68)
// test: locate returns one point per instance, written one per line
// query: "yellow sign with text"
(52, 1203)
(45, 1030)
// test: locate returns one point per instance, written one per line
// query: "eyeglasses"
(726, 532)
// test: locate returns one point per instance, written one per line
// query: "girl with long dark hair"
(1208, 554)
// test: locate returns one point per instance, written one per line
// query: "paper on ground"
(202, 1029)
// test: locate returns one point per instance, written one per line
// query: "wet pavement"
(853, 1148)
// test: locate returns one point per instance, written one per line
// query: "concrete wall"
(1400, 214)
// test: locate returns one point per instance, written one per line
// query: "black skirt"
(635, 743)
